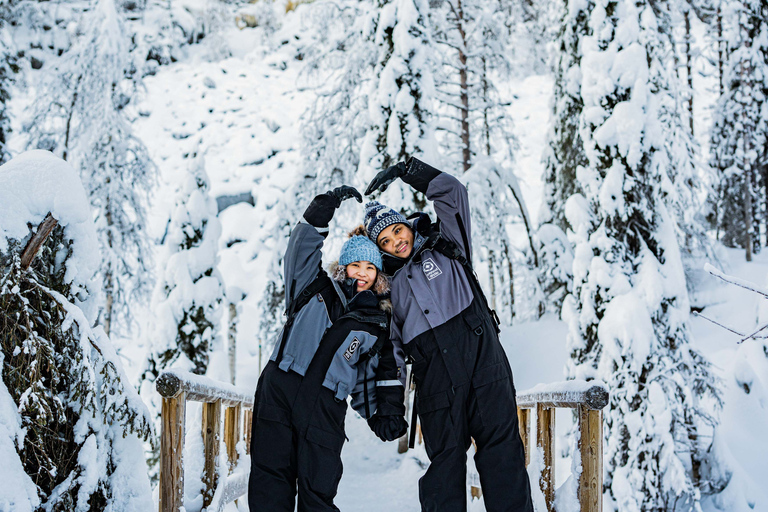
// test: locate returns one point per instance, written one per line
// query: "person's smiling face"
(396, 240)
(364, 273)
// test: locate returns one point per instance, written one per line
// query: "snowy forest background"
(611, 148)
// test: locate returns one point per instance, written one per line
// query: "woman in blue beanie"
(335, 344)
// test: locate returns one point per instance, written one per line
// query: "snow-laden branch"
(743, 283)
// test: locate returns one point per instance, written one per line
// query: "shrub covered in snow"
(70, 420)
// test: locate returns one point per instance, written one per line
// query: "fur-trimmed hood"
(381, 287)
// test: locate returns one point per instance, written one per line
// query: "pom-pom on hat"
(378, 217)
(359, 248)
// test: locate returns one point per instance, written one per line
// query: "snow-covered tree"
(7, 70)
(474, 43)
(565, 149)
(83, 120)
(70, 422)
(189, 291)
(740, 131)
(400, 95)
(628, 315)
(563, 155)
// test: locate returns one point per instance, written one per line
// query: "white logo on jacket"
(431, 270)
(351, 349)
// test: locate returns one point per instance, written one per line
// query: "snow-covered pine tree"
(400, 96)
(70, 423)
(565, 149)
(7, 69)
(564, 154)
(740, 131)
(189, 290)
(474, 44)
(83, 120)
(628, 314)
(690, 177)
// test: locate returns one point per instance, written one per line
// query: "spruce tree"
(7, 69)
(740, 131)
(84, 121)
(564, 154)
(78, 420)
(400, 95)
(628, 314)
(189, 291)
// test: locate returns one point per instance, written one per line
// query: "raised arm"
(450, 197)
(303, 256)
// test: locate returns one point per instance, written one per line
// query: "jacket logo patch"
(351, 348)
(431, 270)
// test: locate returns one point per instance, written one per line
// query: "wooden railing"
(177, 388)
(588, 400)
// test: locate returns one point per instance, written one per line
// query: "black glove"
(385, 177)
(388, 428)
(320, 211)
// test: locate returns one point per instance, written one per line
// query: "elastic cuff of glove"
(418, 174)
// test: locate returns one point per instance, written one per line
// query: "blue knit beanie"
(359, 248)
(378, 217)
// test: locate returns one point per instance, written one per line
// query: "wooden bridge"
(224, 485)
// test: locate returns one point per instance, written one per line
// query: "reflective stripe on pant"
(478, 403)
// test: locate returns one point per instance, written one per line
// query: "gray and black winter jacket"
(357, 322)
(430, 288)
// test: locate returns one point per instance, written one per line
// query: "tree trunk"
(689, 66)
(486, 102)
(232, 346)
(464, 85)
(492, 277)
(510, 275)
(720, 52)
(109, 276)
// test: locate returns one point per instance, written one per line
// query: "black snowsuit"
(464, 386)
(329, 352)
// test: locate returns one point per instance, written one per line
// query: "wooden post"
(474, 479)
(591, 447)
(248, 426)
(232, 434)
(525, 432)
(171, 453)
(545, 439)
(402, 443)
(211, 438)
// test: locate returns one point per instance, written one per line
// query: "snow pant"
(464, 390)
(296, 441)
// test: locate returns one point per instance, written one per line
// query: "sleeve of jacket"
(450, 199)
(302, 259)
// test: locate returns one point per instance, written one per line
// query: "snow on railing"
(588, 398)
(177, 388)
